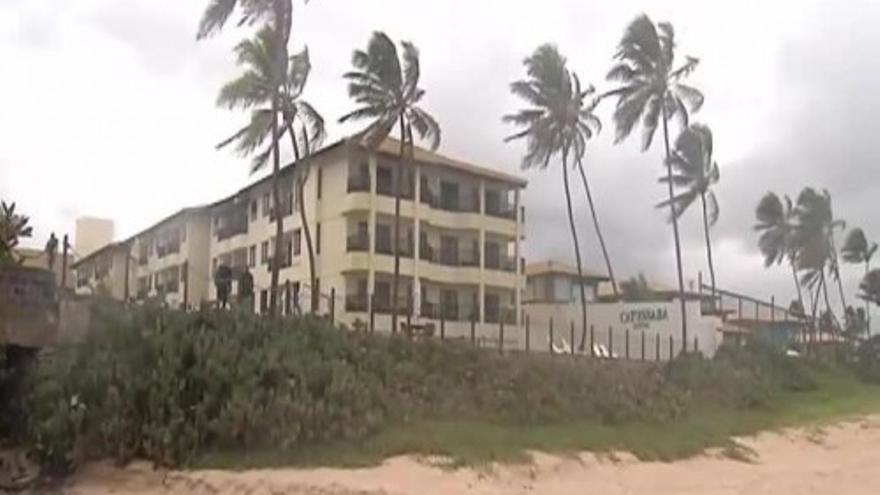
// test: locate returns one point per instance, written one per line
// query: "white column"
(482, 287)
(517, 253)
(417, 229)
(371, 233)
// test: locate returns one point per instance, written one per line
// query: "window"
(252, 256)
(253, 210)
(297, 237)
(384, 181)
(320, 181)
(266, 204)
(318, 236)
(264, 252)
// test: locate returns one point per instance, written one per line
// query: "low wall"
(644, 320)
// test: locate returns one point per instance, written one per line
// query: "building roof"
(98, 252)
(391, 146)
(550, 267)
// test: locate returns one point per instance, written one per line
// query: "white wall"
(650, 318)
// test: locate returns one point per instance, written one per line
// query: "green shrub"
(868, 360)
(170, 386)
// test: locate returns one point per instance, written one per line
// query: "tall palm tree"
(252, 90)
(776, 242)
(385, 86)
(652, 91)
(276, 15)
(870, 287)
(857, 249)
(13, 226)
(696, 173)
(558, 121)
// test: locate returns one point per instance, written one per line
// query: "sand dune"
(837, 459)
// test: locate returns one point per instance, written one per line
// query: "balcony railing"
(167, 249)
(496, 315)
(358, 243)
(382, 304)
(384, 246)
(385, 188)
(507, 211)
(232, 229)
(503, 263)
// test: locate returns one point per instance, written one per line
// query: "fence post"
(739, 308)
(657, 346)
(501, 336)
(528, 336)
(572, 337)
(696, 344)
(592, 341)
(773, 309)
(643, 345)
(442, 330)
(550, 340)
(626, 352)
(610, 342)
(757, 308)
(332, 305)
(409, 303)
(372, 313)
(670, 348)
(473, 328)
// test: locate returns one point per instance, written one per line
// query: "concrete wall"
(650, 318)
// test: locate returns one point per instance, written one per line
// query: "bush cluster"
(169, 386)
(868, 360)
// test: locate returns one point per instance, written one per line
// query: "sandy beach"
(843, 458)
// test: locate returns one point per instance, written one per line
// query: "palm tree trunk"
(596, 226)
(300, 187)
(398, 170)
(708, 245)
(684, 335)
(868, 304)
(282, 32)
(797, 285)
(837, 267)
(577, 248)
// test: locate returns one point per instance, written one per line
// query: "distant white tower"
(92, 234)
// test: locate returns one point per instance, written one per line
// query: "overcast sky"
(109, 111)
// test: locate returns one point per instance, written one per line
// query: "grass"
(838, 396)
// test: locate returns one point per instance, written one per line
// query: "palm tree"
(385, 86)
(776, 243)
(696, 173)
(591, 124)
(652, 91)
(870, 287)
(13, 226)
(252, 90)
(857, 249)
(559, 120)
(814, 239)
(277, 16)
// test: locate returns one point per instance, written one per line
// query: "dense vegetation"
(173, 387)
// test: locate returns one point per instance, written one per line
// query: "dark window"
(449, 195)
(383, 239)
(297, 238)
(320, 181)
(252, 256)
(448, 250)
(264, 252)
(266, 204)
(384, 181)
(253, 210)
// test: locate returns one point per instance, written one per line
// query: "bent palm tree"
(385, 86)
(251, 91)
(814, 238)
(857, 249)
(652, 91)
(277, 16)
(559, 121)
(776, 242)
(696, 172)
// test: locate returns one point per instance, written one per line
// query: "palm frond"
(215, 17)
(425, 126)
(411, 70)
